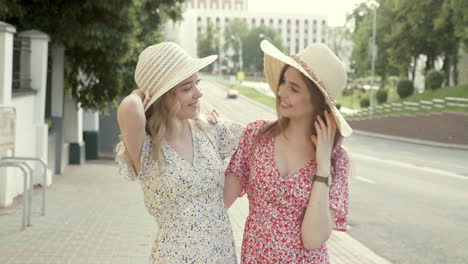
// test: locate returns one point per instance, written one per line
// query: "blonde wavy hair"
(160, 117)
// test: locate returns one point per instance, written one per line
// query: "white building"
(297, 30)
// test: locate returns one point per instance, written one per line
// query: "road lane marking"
(411, 166)
(359, 178)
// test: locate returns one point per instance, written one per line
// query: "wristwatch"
(326, 180)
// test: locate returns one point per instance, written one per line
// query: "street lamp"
(263, 36)
(240, 50)
(373, 55)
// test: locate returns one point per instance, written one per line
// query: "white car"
(232, 93)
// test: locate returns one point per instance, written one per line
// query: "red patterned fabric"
(277, 204)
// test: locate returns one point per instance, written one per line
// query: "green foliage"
(405, 88)
(406, 30)
(460, 17)
(208, 42)
(348, 92)
(381, 95)
(235, 31)
(252, 54)
(102, 39)
(434, 80)
(365, 102)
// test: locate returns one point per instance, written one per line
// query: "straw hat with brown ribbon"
(318, 63)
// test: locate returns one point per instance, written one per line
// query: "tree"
(102, 39)
(252, 54)
(460, 9)
(361, 56)
(235, 31)
(208, 42)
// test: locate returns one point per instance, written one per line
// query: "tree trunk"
(446, 69)
(413, 69)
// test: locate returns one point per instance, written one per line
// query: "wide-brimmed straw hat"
(318, 63)
(162, 66)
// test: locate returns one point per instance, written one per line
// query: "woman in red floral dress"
(294, 170)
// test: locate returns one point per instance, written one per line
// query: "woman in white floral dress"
(177, 157)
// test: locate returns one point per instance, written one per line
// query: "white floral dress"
(187, 200)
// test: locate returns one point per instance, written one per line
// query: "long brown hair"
(316, 96)
(320, 106)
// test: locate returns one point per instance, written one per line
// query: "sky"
(335, 10)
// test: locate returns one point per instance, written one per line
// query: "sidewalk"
(94, 216)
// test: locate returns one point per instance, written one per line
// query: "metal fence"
(424, 106)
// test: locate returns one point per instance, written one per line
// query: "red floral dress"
(277, 204)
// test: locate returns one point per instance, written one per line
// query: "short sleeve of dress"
(239, 163)
(227, 136)
(339, 192)
(125, 165)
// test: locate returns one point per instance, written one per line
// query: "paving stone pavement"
(95, 216)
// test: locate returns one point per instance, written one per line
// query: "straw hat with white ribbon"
(162, 66)
(318, 63)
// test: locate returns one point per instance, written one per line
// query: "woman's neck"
(299, 129)
(179, 130)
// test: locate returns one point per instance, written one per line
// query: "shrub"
(365, 102)
(348, 92)
(405, 88)
(338, 106)
(434, 79)
(382, 95)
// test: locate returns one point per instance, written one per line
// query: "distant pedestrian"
(177, 157)
(294, 170)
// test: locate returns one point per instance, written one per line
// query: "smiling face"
(188, 95)
(294, 98)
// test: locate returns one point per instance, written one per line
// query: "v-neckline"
(194, 156)
(275, 164)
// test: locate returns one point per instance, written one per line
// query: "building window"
(297, 31)
(323, 22)
(297, 49)
(315, 41)
(289, 21)
(297, 22)
(253, 20)
(262, 21)
(199, 19)
(315, 22)
(315, 31)
(306, 31)
(217, 20)
(306, 22)
(289, 31)
(323, 40)
(280, 21)
(289, 40)
(226, 20)
(271, 21)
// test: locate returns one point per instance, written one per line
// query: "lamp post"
(373, 55)
(240, 51)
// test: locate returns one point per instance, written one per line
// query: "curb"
(412, 140)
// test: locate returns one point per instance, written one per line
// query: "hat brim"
(184, 72)
(273, 62)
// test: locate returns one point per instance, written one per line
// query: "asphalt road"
(409, 202)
